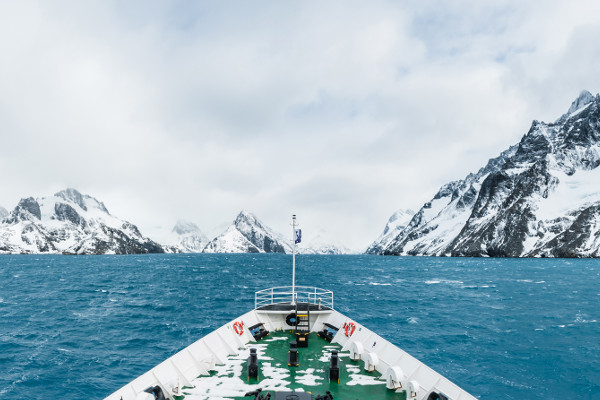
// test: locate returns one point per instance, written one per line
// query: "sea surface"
(80, 327)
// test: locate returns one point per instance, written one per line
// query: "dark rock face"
(117, 242)
(271, 246)
(259, 235)
(567, 244)
(247, 235)
(65, 212)
(73, 196)
(495, 212)
(32, 235)
(27, 209)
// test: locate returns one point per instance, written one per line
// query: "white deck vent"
(371, 361)
(393, 378)
(356, 349)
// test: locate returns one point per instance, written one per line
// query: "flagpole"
(294, 259)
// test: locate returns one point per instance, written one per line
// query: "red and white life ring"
(349, 328)
(238, 327)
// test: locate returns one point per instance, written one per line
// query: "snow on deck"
(229, 381)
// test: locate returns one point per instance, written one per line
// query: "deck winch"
(328, 332)
(258, 331)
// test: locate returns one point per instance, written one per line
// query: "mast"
(294, 259)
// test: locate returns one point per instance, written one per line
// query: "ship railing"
(302, 294)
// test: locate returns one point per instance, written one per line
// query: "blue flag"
(298, 236)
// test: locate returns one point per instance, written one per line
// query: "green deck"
(230, 380)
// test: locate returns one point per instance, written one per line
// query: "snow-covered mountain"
(70, 223)
(320, 242)
(539, 198)
(395, 225)
(186, 237)
(248, 235)
(3, 213)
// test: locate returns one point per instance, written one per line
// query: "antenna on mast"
(297, 235)
(294, 259)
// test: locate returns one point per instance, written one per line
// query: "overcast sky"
(341, 112)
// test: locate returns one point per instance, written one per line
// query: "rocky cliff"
(539, 198)
(70, 223)
(248, 235)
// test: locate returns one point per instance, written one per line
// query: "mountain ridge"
(248, 235)
(514, 206)
(69, 223)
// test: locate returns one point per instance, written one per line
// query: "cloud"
(341, 112)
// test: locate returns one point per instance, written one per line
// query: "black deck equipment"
(334, 367)
(157, 392)
(436, 396)
(253, 365)
(258, 331)
(328, 332)
(326, 396)
(255, 394)
(293, 360)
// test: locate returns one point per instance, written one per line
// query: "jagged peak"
(246, 220)
(25, 210)
(245, 216)
(82, 200)
(70, 194)
(582, 100)
(255, 236)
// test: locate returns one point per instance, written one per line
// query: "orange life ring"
(349, 329)
(238, 327)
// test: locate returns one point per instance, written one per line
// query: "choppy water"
(81, 327)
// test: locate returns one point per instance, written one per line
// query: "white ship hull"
(399, 370)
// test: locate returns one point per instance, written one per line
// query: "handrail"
(302, 294)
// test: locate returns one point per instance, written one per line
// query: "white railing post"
(281, 294)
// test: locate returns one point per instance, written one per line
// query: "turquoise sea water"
(81, 327)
